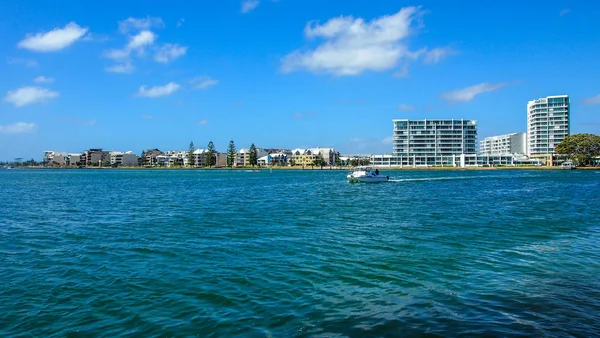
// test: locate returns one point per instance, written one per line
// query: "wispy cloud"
(564, 12)
(29, 95)
(169, 52)
(202, 122)
(402, 72)
(43, 79)
(147, 117)
(139, 24)
(124, 68)
(404, 107)
(203, 82)
(352, 46)
(592, 100)
(438, 54)
(469, 93)
(388, 140)
(180, 22)
(53, 40)
(137, 43)
(140, 41)
(158, 91)
(17, 128)
(301, 116)
(249, 5)
(22, 62)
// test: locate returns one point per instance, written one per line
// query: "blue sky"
(283, 74)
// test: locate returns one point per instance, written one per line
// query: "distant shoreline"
(394, 168)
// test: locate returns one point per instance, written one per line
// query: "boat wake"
(447, 178)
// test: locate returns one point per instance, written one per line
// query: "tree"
(252, 155)
(209, 155)
(231, 154)
(142, 159)
(581, 148)
(190, 155)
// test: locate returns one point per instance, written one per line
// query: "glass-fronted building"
(433, 142)
(548, 123)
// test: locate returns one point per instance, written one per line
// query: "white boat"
(364, 174)
(567, 165)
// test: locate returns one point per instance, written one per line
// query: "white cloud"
(388, 140)
(592, 100)
(17, 128)
(24, 62)
(141, 40)
(43, 79)
(180, 22)
(203, 82)
(564, 12)
(202, 122)
(138, 43)
(249, 5)
(469, 93)
(438, 54)
(134, 24)
(169, 52)
(117, 54)
(158, 91)
(405, 107)
(353, 45)
(53, 40)
(124, 68)
(29, 95)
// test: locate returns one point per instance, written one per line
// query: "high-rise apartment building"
(548, 123)
(510, 144)
(433, 142)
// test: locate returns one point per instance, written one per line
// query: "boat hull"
(367, 179)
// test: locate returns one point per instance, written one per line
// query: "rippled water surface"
(299, 253)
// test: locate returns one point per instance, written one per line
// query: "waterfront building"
(55, 158)
(127, 159)
(307, 157)
(151, 155)
(95, 157)
(462, 161)
(432, 142)
(274, 159)
(75, 160)
(515, 143)
(548, 123)
(243, 156)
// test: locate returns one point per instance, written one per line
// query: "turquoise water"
(298, 253)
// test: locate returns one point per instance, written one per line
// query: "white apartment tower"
(433, 142)
(548, 123)
(510, 144)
